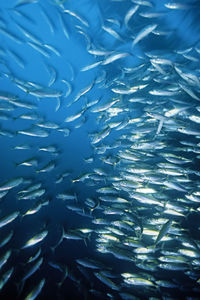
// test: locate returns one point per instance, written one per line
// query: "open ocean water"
(99, 149)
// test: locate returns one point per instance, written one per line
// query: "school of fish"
(102, 200)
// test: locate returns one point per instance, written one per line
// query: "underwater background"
(100, 149)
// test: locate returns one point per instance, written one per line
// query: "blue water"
(182, 31)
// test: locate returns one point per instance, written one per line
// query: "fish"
(189, 92)
(102, 107)
(69, 87)
(49, 148)
(53, 49)
(176, 5)
(6, 239)
(75, 15)
(129, 14)
(32, 270)
(89, 263)
(101, 135)
(34, 257)
(107, 281)
(114, 57)
(11, 35)
(37, 206)
(75, 116)
(36, 193)
(11, 183)
(48, 125)
(32, 162)
(24, 2)
(112, 32)
(30, 188)
(91, 66)
(83, 92)
(64, 26)
(4, 258)
(143, 3)
(48, 20)
(30, 116)
(36, 239)
(129, 91)
(34, 132)
(39, 49)
(9, 218)
(5, 277)
(36, 290)
(98, 52)
(143, 33)
(44, 93)
(163, 231)
(53, 75)
(31, 36)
